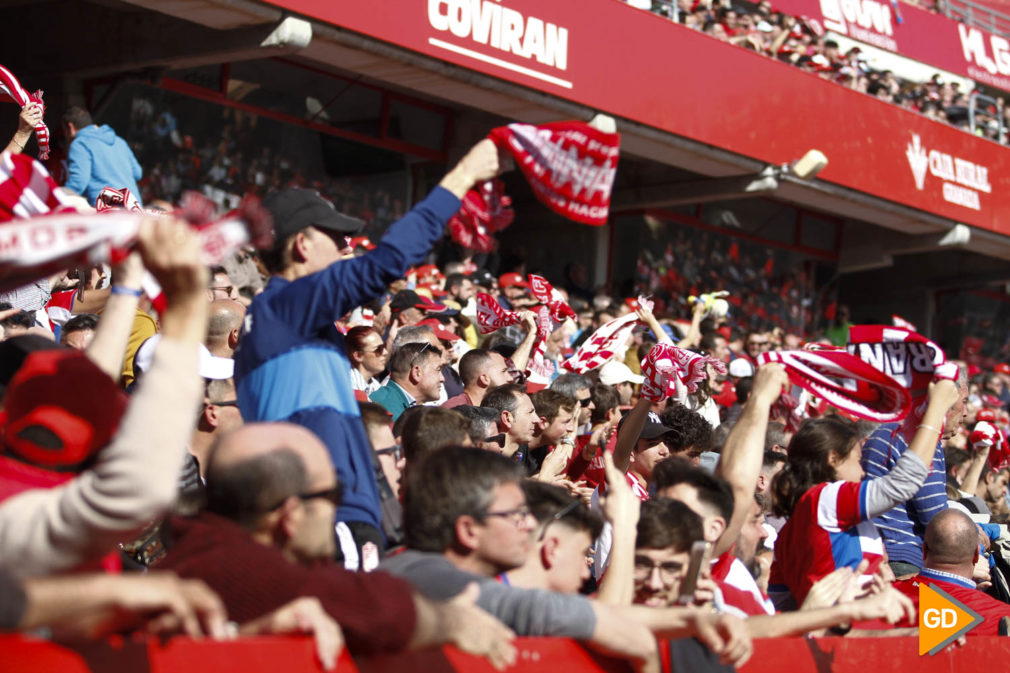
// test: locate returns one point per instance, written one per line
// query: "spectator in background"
(221, 285)
(78, 332)
(577, 387)
(368, 357)
(98, 158)
(483, 428)
(517, 418)
(224, 327)
(618, 375)
(479, 370)
(31, 114)
(415, 377)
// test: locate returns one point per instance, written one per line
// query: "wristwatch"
(568, 440)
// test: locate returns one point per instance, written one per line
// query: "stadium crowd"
(802, 42)
(323, 441)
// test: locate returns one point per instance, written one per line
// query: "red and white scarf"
(11, 90)
(570, 166)
(845, 382)
(486, 210)
(34, 244)
(491, 316)
(599, 349)
(911, 359)
(669, 370)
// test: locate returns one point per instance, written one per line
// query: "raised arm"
(135, 477)
(521, 357)
(31, 114)
(743, 452)
(108, 348)
(627, 435)
(906, 479)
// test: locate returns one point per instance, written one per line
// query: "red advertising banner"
(633, 64)
(915, 33)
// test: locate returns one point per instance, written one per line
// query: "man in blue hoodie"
(291, 364)
(98, 157)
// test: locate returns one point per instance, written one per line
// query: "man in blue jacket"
(98, 157)
(291, 364)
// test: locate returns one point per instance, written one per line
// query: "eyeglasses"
(227, 289)
(669, 571)
(517, 516)
(223, 403)
(395, 451)
(558, 516)
(333, 495)
(586, 402)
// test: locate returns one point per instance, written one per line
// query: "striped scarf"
(11, 90)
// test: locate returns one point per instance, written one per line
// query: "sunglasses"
(223, 403)
(586, 402)
(381, 348)
(498, 439)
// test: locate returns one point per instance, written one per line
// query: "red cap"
(60, 410)
(992, 401)
(1002, 368)
(987, 415)
(362, 242)
(440, 331)
(511, 279)
(427, 270)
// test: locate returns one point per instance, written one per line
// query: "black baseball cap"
(652, 429)
(295, 209)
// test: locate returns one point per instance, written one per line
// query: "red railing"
(536, 655)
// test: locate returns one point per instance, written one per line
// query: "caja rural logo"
(942, 619)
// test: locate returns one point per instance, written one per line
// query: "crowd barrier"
(536, 655)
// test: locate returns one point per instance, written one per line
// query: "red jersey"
(827, 530)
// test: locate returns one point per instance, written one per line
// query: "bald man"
(266, 537)
(949, 557)
(224, 327)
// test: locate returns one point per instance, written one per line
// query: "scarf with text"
(570, 166)
(672, 371)
(491, 316)
(40, 235)
(11, 90)
(909, 358)
(843, 381)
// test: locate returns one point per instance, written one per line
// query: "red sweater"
(374, 610)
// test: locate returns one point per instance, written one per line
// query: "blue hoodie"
(99, 158)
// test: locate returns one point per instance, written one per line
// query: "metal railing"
(973, 105)
(977, 15)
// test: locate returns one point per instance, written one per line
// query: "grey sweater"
(528, 612)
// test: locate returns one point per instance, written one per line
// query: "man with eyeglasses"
(482, 526)
(266, 537)
(291, 364)
(415, 377)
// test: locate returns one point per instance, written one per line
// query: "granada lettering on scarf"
(12, 91)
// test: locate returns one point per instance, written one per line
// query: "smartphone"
(701, 553)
